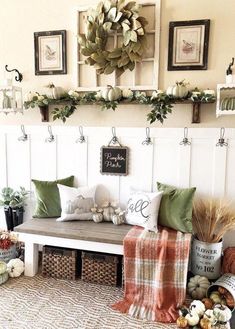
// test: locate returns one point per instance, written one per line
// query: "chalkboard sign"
(114, 160)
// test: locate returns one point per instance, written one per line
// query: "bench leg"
(31, 259)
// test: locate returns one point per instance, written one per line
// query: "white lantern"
(11, 100)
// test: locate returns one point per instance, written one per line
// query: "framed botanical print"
(188, 45)
(50, 52)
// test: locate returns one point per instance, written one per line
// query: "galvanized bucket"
(226, 281)
(8, 254)
(206, 258)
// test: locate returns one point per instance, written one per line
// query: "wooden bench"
(84, 235)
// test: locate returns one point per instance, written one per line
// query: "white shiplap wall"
(202, 164)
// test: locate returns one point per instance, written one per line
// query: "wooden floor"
(105, 232)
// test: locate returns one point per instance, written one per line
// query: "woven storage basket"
(100, 268)
(59, 262)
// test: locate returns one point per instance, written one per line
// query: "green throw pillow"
(176, 207)
(48, 197)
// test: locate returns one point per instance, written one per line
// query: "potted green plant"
(13, 203)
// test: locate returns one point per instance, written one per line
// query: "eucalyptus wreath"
(109, 17)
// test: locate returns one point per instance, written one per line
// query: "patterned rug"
(47, 303)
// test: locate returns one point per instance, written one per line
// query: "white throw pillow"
(142, 209)
(76, 203)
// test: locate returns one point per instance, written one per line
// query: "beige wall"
(19, 19)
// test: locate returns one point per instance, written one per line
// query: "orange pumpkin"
(229, 300)
(208, 303)
(222, 290)
(182, 322)
(205, 324)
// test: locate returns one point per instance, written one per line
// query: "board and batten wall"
(202, 164)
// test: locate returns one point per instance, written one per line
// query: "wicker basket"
(59, 263)
(100, 268)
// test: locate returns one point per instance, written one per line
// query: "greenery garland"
(160, 103)
(109, 17)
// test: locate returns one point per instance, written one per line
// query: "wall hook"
(221, 141)
(114, 139)
(18, 77)
(81, 139)
(24, 136)
(185, 141)
(51, 137)
(147, 140)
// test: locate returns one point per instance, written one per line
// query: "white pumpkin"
(111, 93)
(179, 90)
(28, 97)
(3, 267)
(222, 313)
(97, 218)
(15, 267)
(127, 93)
(209, 315)
(216, 297)
(197, 286)
(192, 318)
(57, 92)
(156, 93)
(108, 211)
(98, 95)
(118, 219)
(3, 277)
(197, 307)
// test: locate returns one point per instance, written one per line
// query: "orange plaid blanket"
(155, 267)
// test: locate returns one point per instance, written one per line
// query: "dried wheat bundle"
(212, 218)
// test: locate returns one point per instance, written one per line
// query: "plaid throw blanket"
(155, 266)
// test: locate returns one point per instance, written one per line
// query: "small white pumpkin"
(57, 92)
(15, 267)
(28, 97)
(209, 315)
(98, 95)
(222, 313)
(97, 218)
(197, 307)
(3, 267)
(111, 93)
(192, 318)
(197, 286)
(179, 90)
(118, 219)
(216, 297)
(156, 93)
(127, 93)
(108, 212)
(3, 277)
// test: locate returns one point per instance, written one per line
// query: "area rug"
(47, 303)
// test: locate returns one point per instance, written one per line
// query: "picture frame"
(50, 52)
(188, 45)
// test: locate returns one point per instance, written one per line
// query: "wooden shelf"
(196, 109)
